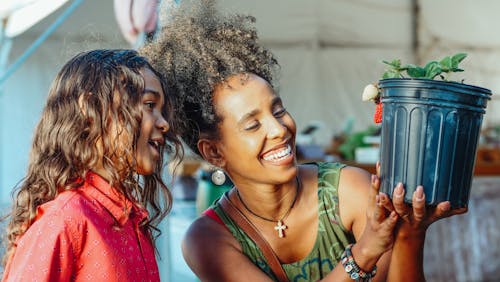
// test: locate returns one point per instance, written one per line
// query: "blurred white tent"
(20, 15)
(136, 19)
(17, 16)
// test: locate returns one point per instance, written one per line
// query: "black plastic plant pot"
(430, 133)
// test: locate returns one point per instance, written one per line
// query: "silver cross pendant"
(280, 227)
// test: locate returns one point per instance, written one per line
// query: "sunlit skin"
(153, 125)
(253, 129)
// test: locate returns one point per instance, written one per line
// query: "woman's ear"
(210, 152)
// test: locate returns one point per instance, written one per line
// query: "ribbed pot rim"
(435, 84)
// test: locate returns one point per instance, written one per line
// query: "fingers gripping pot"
(430, 133)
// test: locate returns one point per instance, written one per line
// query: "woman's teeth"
(279, 155)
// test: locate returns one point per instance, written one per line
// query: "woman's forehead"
(239, 97)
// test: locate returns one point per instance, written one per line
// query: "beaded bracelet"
(352, 268)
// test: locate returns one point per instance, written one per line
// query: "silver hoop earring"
(218, 177)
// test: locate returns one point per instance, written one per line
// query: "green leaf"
(432, 69)
(404, 68)
(416, 71)
(396, 63)
(391, 74)
(446, 64)
(457, 58)
(411, 66)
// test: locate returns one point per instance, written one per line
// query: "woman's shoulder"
(318, 169)
(322, 171)
(206, 237)
(204, 225)
(323, 165)
(353, 178)
(354, 185)
(207, 225)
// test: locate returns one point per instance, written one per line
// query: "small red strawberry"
(377, 117)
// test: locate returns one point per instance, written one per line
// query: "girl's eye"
(150, 105)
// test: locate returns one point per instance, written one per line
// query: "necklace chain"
(279, 226)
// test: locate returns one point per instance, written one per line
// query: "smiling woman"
(251, 107)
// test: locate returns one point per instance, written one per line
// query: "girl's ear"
(210, 152)
(82, 103)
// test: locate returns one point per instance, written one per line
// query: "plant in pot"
(430, 129)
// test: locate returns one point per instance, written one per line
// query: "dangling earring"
(218, 177)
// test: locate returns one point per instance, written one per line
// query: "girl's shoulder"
(59, 219)
(72, 211)
(67, 212)
(66, 202)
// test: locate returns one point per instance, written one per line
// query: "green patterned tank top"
(331, 240)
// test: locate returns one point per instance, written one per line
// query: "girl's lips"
(155, 145)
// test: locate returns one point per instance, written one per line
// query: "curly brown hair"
(200, 48)
(65, 140)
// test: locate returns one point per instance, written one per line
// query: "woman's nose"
(276, 129)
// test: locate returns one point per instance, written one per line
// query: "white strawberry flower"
(370, 92)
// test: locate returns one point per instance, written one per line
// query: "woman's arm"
(372, 225)
(408, 251)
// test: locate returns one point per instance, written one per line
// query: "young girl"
(323, 221)
(95, 167)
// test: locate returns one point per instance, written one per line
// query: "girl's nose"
(163, 125)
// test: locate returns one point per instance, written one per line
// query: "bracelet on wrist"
(352, 268)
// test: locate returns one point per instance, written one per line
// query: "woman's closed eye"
(255, 124)
(280, 112)
(252, 125)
